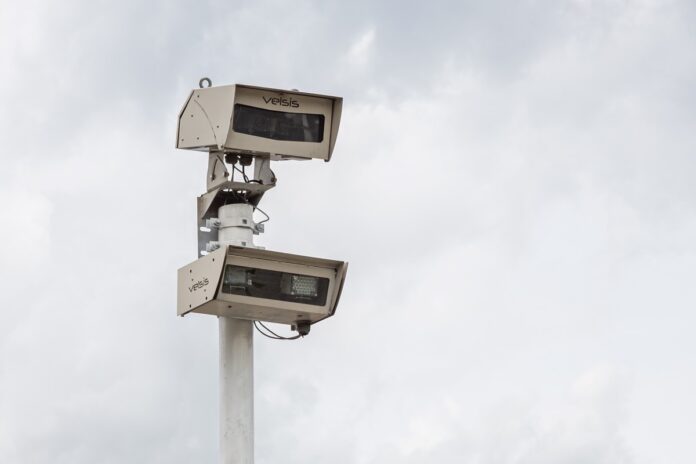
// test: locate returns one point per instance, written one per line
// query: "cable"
(242, 172)
(263, 333)
(268, 218)
(243, 197)
(268, 328)
(273, 335)
(217, 160)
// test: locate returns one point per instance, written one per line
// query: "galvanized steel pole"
(236, 391)
(236, 354)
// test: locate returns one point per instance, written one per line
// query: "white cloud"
(360, 51)
(26, 216)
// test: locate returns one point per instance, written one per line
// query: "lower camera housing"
(263, 285)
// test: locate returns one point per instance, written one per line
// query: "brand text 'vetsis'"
(199, 284)
(278, 101)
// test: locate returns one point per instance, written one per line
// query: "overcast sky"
(513, 185)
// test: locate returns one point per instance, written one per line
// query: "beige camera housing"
(207, 122)
(201, 289)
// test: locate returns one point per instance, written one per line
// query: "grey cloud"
(512, 185)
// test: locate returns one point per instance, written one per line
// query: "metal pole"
(236, 354)
(236, 391)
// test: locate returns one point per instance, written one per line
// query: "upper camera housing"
(260, 121)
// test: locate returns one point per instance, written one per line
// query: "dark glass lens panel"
(278, 125)
(275, 285)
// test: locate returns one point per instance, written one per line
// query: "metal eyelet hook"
(205, 79)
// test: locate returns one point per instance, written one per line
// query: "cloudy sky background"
(513, 185)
